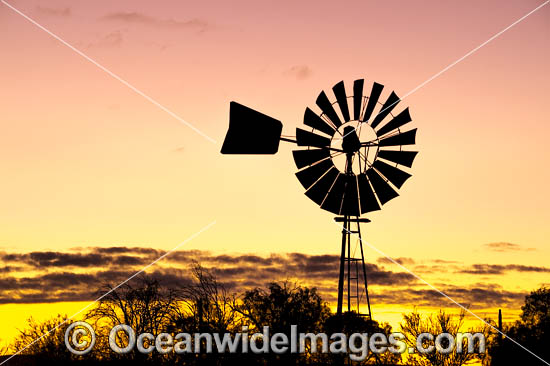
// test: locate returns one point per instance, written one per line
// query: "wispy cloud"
(195, 24)
(300, 72)
(9, 269)
(472, 296)
(507, 247)
(401, 260)
(65, 12)
(112, 39)
(497, 269)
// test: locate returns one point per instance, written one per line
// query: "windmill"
(350, 160)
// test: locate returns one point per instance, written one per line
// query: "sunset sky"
(89, 164)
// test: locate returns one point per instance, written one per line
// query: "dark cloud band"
(78, 274)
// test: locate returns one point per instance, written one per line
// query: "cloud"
(49, 260)
(402, 260)
(65, 12)
(497, 269)
(47, 276)
(507, 247)
(472, 297)
(71, 286)
(123, 250)
(77, 275)
(442, 261)
(112, 39)
(195, 24)
(9, 269)
(300, 72)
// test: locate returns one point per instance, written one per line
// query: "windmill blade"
(357, 98)
(373, 99)
(308, 176)
(390, 104)
(395, 175)
(306, 138)
(382, 189)
(398, 121)
(333, 201)
(340, 93)
(326, 106)
(368, 200)
(319, 190)
(350, 206)
(400, 157)
(311, 119)
(403, 138)
(304, 158)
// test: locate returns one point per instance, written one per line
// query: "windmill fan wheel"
(353, 159)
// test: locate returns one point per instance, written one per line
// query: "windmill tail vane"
(350, 159)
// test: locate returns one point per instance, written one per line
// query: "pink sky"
(87, 161)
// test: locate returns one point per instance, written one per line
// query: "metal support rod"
(349, 267)
(364, 269)
(357, 284)
(288, 140)
(296, 142)
(349, 171)
(342, 259)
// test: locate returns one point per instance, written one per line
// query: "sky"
(88, 164)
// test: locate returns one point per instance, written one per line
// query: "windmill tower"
(351, 161)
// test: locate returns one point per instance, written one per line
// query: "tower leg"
(349, 266)
(364, 271)
(345, 229)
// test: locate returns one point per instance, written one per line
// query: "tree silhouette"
(531, 331)
(3, 348)
(143, 305)
(536, 311)
(43, 341)
(208, 305)
(351, 322)
(414, 324)
(283, 305)
(280, 306)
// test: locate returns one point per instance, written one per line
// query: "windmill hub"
(345, 143)
(350, 141)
